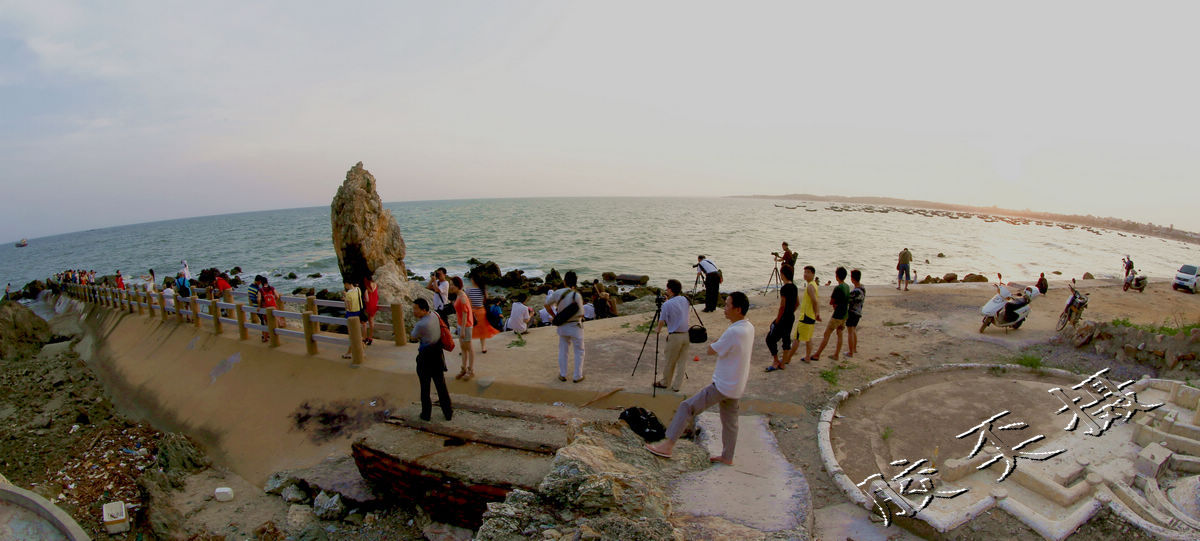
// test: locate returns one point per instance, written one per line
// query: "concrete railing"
(231, 311)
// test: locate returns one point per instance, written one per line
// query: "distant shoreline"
(1116, 224)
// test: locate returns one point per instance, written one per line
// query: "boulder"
(294, 494)
(972, 277)
(366, 238)
(21, 331)
(950, 278)
(608, 276)
(300, 517)
(488, 272)
(553, 279)
(930, 280)
(513, 279)
(941, 254)
(1088, 276)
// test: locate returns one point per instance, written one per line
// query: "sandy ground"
(929, 325)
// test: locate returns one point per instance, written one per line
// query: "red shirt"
(223, 284)
(120, 282)
(372, 301)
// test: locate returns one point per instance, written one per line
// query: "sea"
(657, 237)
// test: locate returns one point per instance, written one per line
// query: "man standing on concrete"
(729, 383)
(570, 331)
(675, 318)
(712, 281)
(431, 364)
(441, 292)
(903, 277)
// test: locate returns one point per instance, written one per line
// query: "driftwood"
(602, 397)
(474, 436)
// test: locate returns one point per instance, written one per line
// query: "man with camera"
(441, 290)
(788, 257)
(675, 318)
(712, 281)
(566, 305)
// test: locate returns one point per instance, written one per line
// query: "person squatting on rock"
(810, 314)
(781, 327)
(570, 333)
(857, 296)
(431, 362)
(729, 383)
(675, 318)
(712, 281)
(840, 300)
(466, 324)
(519, 316)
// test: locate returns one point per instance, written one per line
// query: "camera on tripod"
(776, 254)
(659, 299)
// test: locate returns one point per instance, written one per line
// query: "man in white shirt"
(712, 281)
(729, 383)
(674, 317)
(440, 288)
(571, 332)
(589, 311)
(518, 319)
(544, 317)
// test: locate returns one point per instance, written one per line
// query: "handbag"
(563, 316)
(697, 334)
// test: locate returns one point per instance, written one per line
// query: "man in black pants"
(781, 328)
(712, 282)
(430, 363)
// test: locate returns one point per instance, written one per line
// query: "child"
(857, 296)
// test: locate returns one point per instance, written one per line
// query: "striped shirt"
(476, 296)
(252, 294)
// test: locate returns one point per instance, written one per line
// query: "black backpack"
(644, 423)
(569, 311)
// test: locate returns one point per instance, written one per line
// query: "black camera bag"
(644, 423)
(697, 334)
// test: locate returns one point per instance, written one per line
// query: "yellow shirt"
(806, 304)
(353, 299)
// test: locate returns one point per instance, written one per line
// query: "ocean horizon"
(655, 236)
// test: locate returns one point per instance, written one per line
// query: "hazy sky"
(124, 112)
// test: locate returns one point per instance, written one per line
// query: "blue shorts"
(903, 274)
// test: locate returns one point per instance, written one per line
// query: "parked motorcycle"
(1074, 309)
(1007, 309)
(1135, 281)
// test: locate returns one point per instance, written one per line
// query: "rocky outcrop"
(1088, 276)
(21, 331)
(950, 278)
(972, 277)
(367, 239)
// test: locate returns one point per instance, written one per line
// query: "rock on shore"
(366, 237)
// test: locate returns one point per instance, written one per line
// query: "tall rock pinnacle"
(366, 237)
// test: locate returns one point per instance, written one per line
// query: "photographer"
(712, 281)
(441, 290)
(570, 332)
(675, 318)
(788, 257)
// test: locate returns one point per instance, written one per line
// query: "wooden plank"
(464, 434)
(602, 397)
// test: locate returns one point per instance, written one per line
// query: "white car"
(1186, 278)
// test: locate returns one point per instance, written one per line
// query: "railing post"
(240, 311)
(356, 340)
(137, 295)
(178, 309)
(195, 307)
(150, 302)
(398, 333)
(271, 326)
(307, 322)
(216, 315)
(162, 304)
(310, 304)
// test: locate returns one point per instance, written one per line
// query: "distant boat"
(23, 243)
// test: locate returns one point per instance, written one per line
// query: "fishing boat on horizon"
(23, 243)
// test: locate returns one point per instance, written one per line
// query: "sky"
(126, 112)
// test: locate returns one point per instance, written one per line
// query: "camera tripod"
(658, 301)
(774, 279)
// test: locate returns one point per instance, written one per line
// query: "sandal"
(773, 368)
(470, 374)
(345, 355)
(460, 375)
(656, 453)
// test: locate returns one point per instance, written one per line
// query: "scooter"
(1135, 281)
(1007, 309)
(1074, 309)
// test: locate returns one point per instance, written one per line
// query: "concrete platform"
(761, 491)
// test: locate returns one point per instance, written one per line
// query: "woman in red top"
(371, 293)
(267, 298)
(466, 321)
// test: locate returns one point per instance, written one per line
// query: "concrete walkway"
(762, 490)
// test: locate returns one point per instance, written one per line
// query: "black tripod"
(775, 278)
(658, 301)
